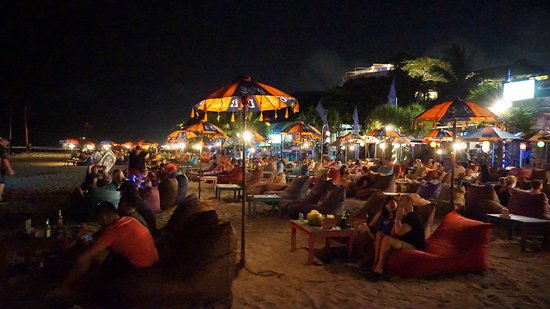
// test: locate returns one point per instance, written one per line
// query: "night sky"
(128, 70)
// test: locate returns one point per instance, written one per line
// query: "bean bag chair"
(151, 196)
(191, 273)
(297, 189)
(429, 190)
(235, 176)
(528, 204)
(385, 183)
(334, 174)
(444, 198)
(458, 245)
(168, 193)
(95, 195)
(330, 203)
(183, 185)
(480, 200)
(254, 177)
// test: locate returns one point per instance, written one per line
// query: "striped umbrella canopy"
(453, 111)
(203, 127)
(259, 97)
(302, 129)
(384, 133)
(489, 134)
(458, 110)
(437, 135)
(181, 135)
(541, 135)
(243, 95)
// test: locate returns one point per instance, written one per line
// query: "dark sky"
(132, 70)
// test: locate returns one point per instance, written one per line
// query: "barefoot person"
(5, 166)
(408, 233)
(121, 245)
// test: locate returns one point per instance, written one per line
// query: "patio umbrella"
(541, 135)
(489, 134)
(302, 129)
(179, 135)
(203, 128)
(244, 95)
(387, 133)
(437, 135)
(454, 111)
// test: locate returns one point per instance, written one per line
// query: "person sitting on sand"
(129, 190)
(407, 234)
(127, 207)
(121, 245)
(93, 175)
(5, 166)
(118, 178)
(136, 163)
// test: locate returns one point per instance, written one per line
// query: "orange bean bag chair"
(458, 245)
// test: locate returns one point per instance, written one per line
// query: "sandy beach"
(277, 278)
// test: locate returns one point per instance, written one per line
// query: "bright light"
(486, 146)
(180, 145)
(72, 146)
(540, 144)
(209, 147)
(459, 146)
(127, 146)
(197, 146)
(362, 144)
(439, 151)
(500, 107)
(383, 146)
(522, 146)
(306, 145)
(247, 136)
(389, 127)
(218, 144)
(433, 144)
(252, 150)
(275, 138)
(327, 133)
(106, 147)
(520, 90)
(327, 140)
(90, 147)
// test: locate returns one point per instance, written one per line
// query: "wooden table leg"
(292, 238)
(310, 248)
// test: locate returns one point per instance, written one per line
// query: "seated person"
(536, 186)
(380, 224)
(121, 245)
(93, 174)
(407, 234)
(503, 192)
(129, 190)
(127, 207)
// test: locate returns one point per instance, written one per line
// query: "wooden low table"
(316, 233)
(237, 190)
(272, 199)
(524, 222)
(213, 179)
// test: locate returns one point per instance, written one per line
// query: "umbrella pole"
(452, 201)
(200, 167)
(244, 103)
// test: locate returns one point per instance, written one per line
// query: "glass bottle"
(47, 229)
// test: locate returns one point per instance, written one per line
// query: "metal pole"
(244, 103)
(200, 166)
(452, 201)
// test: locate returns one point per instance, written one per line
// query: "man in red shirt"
(122, 243)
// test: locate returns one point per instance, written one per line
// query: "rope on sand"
(265, 273)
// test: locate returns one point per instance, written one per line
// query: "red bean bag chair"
(235, 176)
(458, 245)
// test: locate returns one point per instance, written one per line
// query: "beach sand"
(277, 278)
